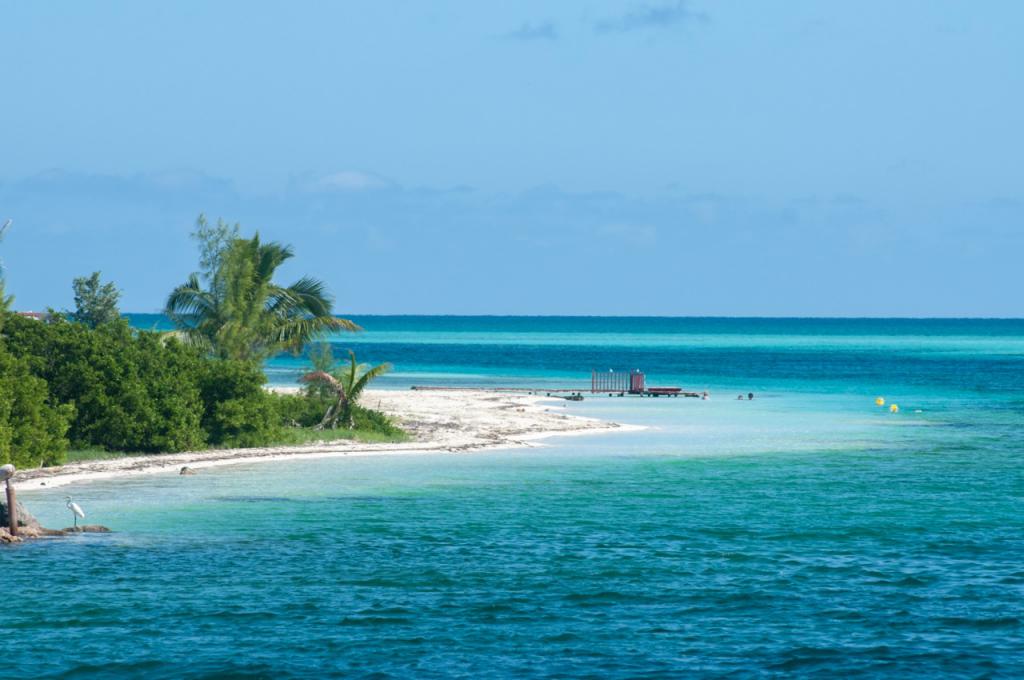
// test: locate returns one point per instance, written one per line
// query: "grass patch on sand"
(83, 455)
(289, 436)
(297, 436)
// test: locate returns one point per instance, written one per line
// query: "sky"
(657, 157)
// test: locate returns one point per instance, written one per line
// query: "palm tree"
(244, 314)
(5, 300)
(347, 383)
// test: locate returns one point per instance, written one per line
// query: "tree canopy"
(242, 313)
(213, 241)
(95, 302)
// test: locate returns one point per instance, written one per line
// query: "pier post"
(6, 472)
(12, 509)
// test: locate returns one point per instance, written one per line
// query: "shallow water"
(805, 533)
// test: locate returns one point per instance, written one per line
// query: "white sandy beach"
(438, 421)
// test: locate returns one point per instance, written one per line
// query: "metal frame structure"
(623, 382)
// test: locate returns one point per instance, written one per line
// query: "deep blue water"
(807, 533)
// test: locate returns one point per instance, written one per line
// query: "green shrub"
(122, 390)
(131, 391)
(300, 410)
(368, 420)
(237, 411)
(307, 410)
(32, 431)
(140, 391)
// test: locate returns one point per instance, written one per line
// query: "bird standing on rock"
(76, 510)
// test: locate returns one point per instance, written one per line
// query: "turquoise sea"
(806, 533)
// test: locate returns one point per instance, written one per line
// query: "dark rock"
(86, 529)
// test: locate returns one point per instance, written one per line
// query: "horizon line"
(663, 316)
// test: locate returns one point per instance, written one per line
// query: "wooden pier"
(631, 382)
(612, 383)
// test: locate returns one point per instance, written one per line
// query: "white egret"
(75, 508)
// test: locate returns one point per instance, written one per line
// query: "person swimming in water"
(750, 396)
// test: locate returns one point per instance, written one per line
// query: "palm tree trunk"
(338, 411)
(345, 416)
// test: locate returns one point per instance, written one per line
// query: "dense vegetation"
(137, 391)
(32, 430)
(85, 379)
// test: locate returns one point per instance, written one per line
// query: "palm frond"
(366, 377)
(189, 299)
(312, 296)
(193, 337)
(295, 333)
(324, 377)
(270, 256)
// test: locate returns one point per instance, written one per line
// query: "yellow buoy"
(880, 402)
(894, 409)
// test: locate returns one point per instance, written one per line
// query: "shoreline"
(466, 421)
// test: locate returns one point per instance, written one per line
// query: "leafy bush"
(236, 409)
(122, 390)
(140, 391)
(131, 391)
(307, 409)
(32, 431)
(301, 410)
(368, 420)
